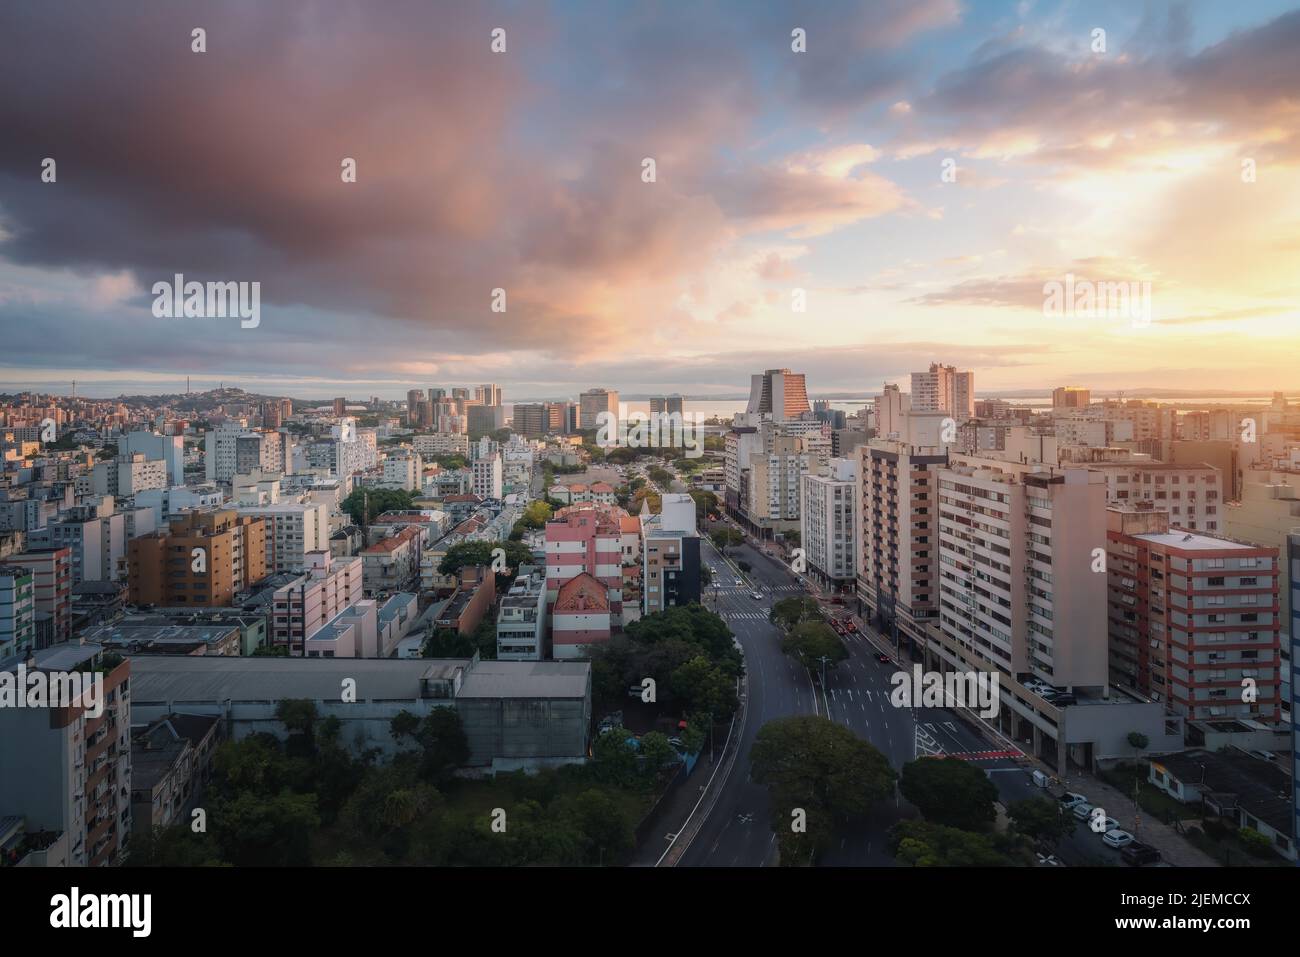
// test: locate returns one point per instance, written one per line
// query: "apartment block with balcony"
(1194, 620)
(898, 536)
(69, 772)
(828, 524)
(303, 606)
(204, 559)
(52, 592)
(670, 555)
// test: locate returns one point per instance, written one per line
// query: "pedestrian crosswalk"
(747, 615)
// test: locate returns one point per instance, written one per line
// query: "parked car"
(1081, 810)
(739, 583)
(1072, 799)
(1138, 854)
(1117, 838)
(1105, 824)
(1040, 779)
(884, 659)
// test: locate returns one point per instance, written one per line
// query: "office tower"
(1070, 397)
(828, 523)
(204, 559)
(779, 394)
(666, 405)
(414, 399)
(341, 406)
(898, 527)
(1017, 584)
(488, 394)
(944, 389)
(1194, 620)
(670, 555)
(592, 403)
(485, 419)
(460, 393)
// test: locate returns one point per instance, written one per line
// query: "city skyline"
(920, 174)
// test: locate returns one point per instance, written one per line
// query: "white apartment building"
(95, 533)
(167, 502)
(169, 448)
(1017, 586)
(521, 621)
(487, 476)
(828, 523)
(441, 443)
(231, 450)
(1191, 494)
(774, 477)
(293, 531)
(403, 469)
(124, 476)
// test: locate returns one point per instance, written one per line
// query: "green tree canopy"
(927, 844)
(951, 792)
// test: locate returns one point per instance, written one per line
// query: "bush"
(1255, 842)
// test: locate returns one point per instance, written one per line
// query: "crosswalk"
(746, 615)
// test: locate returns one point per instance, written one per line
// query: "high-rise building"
(1070, 397)
(898, 530)
(891, 409)
(944, 389)
(327, 587)
(774, 477)
(670, 555)
(488, 394)
(414, 400)
(487, 476)
(341, 406)
(294, 531)
(1017, 586)
(1194, 620)
(778, 393)
(592, 403)
(169, 448)
(828, 522)
(17, 611)
(51, 591)
(204, 560)
(667, 405)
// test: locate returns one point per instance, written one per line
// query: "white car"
(1107, 825)
(1070, 800)
(739, 583)
(1082, 810)
(1117, 838)
(756, 595)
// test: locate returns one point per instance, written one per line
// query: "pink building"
(586, 541)
(306, 605)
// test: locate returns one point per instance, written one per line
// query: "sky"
(897, 193)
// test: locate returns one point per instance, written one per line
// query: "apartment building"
(392, 564)
(521, 619)
(17, 611)
(168, 448)
(51, 593)
(204, 559)
(944, 389)
(1070, 397)
(294, 531)
(303, 606)
(1017, 584)
(584, 543)
(404, 469)
(441, 443)
(171, 764)
(126, 476)
(1194, 620)
(774, 483)
(95, 536)
(487, 476)
(670, 555)
(828, 524)
(228, 451)
(1191, 494)
(897, 565)
(67, 770)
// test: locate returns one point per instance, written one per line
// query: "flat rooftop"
(215, 679)
(1191, 541)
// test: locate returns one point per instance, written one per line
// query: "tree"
(1041, 820)
(448, 643)
(381, 500)
(699, 686)
(789, 612)
(706, 503)
(725, 537)
(603, 823)
(441, 738)
(813, 765)
(656, 751)
(927, 844)
(614, 757)
(951, 792)
(660, 476)
(480, 553)
(810, 641)
(260, 830)
(536, 514)
(299, 717)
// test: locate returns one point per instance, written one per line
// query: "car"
(1117, 838)
(739, 583)
(1138, 854)
(851, 626)
(756, 595)
(1071, 799)
(1081, 810)
(884, 659)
